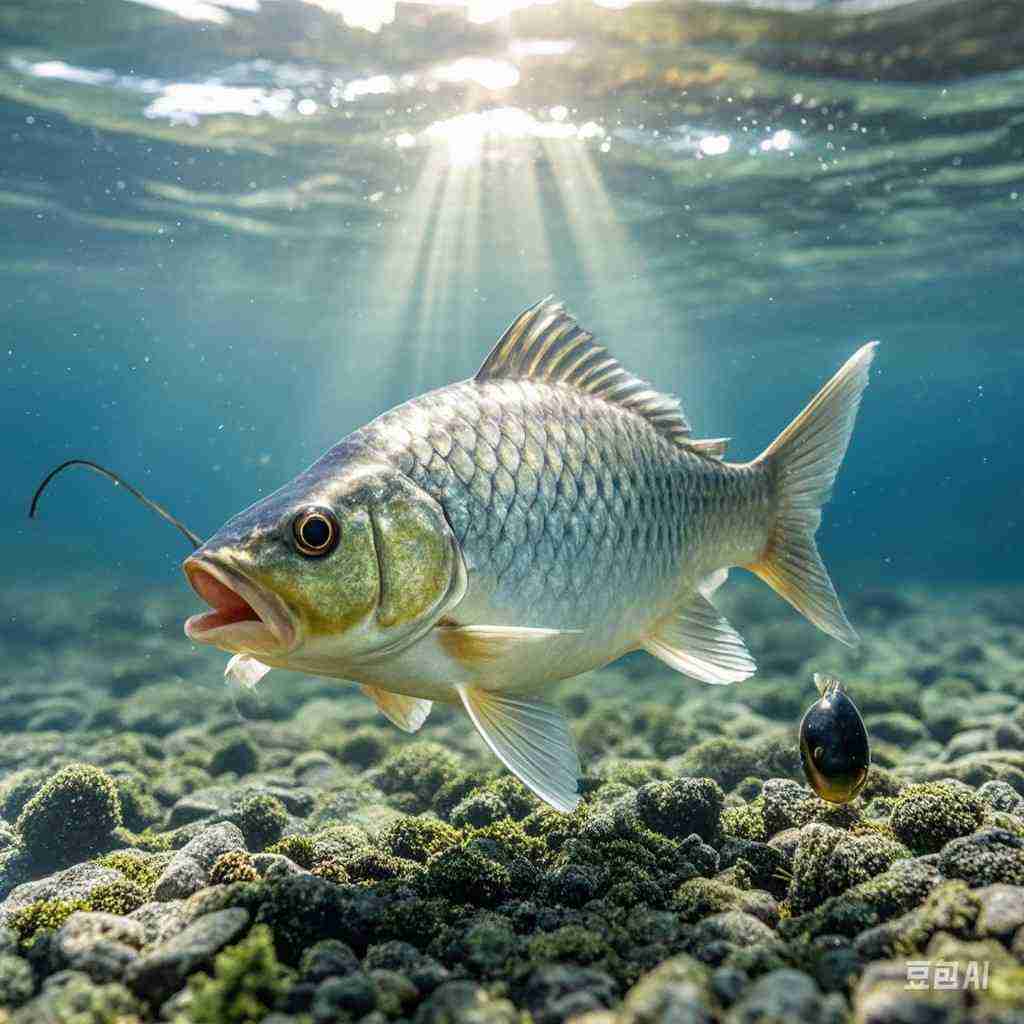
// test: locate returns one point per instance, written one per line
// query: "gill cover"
(421, 574)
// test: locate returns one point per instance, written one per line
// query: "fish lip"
(269, 608)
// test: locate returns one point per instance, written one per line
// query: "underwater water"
(232, 231)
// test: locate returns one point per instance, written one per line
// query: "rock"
(161, 921)
(1001, 796)
(275, 865)
(182, 877)
(783, 995)
(733, 927)
(327, 958)
(16, 981)
(465, 1002)
(70, 996)
(1002, 910)
(189, 869)
(99, 945)
(882, 997)
(681, 807)
(677, 990)
(75, 883)
(989, 855)
(555, 992)
(163, 969)
(347, 998)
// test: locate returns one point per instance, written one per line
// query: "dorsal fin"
(545, 343)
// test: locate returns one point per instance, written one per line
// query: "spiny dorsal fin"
(545, 343)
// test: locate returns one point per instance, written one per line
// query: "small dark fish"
(834, 744)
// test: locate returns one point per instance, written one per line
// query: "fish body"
(482, 541)
(834, 748)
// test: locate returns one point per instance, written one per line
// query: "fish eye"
(819, 753)
(315, 531)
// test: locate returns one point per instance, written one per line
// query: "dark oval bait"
(834, 744)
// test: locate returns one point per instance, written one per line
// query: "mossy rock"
(72, 817)
(929, 815)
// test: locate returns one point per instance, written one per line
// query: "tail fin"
(805, 458)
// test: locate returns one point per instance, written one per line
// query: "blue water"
(231, 233)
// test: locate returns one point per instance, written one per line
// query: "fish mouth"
(243, 618)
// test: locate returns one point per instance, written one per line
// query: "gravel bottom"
(170, 850)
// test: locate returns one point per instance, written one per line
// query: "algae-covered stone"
(681, 807)
(75, 999)
(420, 768)
(679, 989)
(17, 982)
(72, 817)
(262, 818)
(828, 861)
(988, 856)
(927, 816)
(558, 992)
(327, 958)
(417, 839)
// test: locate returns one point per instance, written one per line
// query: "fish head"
(347, 563)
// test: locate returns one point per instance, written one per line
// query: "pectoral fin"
(697, 641)
(408, 713)
(245, 671)
(532, 740)
(473, 646)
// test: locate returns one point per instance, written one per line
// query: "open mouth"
(242, 618)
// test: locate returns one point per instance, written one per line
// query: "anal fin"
(699, 642)
(531, 738)
(408, 713)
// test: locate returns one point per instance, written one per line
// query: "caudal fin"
(804, 460)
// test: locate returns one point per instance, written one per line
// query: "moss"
(71, 817)
(479, 808)
(745, 822)
(325, 959)
(727, 761)
(143, 871)
(378, 866)
(576, 945)
(237, 753)
(929, 815)
(829, 861)
(332, 869)
(554, 827)
(16, 981)
(420, 768)
(681, 807)
(139, 808)
(81, 1001)
(702, 897)
(43, 914)
(362, 747)
(120, 897)
(340, 841)
(632, 773)
(417, 839)
(456, 788)
(506, 840)
(262, 818)
(300, 850)
(903, 887)
(18, 788)
(466, 876)
(233, 866)
(247, 983)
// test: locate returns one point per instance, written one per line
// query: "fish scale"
(611, 502)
